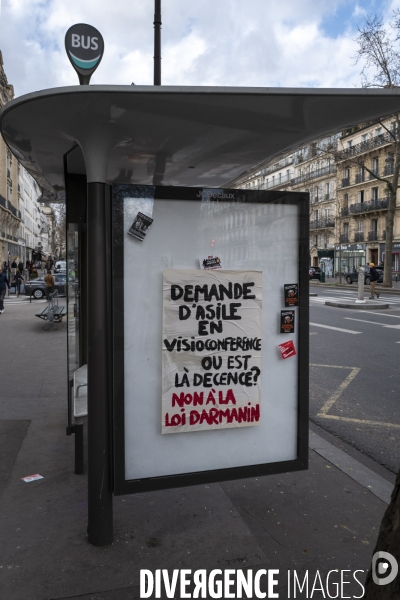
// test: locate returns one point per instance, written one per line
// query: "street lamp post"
(157, 42)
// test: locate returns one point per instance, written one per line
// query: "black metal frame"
(123, 486)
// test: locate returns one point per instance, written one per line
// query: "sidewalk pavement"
(322, 519)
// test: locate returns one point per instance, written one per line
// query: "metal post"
(157, 42)
(100, 502)
(340, 263)
(360, 299)
(78, 430)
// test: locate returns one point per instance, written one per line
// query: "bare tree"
(378, 50)
(61, 228)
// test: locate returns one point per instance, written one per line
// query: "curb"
(356, 306)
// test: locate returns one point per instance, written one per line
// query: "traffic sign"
(84, 45)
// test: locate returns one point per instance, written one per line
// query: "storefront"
(349, 257)
(15, 251)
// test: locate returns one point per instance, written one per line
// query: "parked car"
(60, 266)
(351, 277)
(314, 272)
(37, 287)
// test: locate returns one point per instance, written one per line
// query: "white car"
(60, 266)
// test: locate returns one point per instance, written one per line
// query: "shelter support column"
(100, 501)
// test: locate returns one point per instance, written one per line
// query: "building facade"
(345, 175)
(312, 169)
(10, 215)
(25, 224)
(363, 198)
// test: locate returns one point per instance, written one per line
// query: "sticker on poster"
(211, 262)
(287, 349)
(139, 227)
(287, 321)
(211, 350)
(291, 291)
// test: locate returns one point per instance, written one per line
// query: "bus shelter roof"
(164, 135)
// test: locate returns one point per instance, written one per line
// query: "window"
(347, 173)
(374, 193)
(349, 143)
(327, 213)
(378, 131)
(361, 196)
(374, 165)
(364, 137)
(345, 201)
(360, 226)
(346, 228)
(374, 225)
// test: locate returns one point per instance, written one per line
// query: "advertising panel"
(206, 387)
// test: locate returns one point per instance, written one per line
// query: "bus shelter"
(188, 301)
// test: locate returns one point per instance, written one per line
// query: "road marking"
(359, 421)
(335, 328)
(372, 312)
(339, 391)
(373, 323)
(323, 414)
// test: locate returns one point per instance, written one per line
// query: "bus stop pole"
(157, 42)
(100, 501)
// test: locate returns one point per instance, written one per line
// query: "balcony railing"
(389, 169)
(372, 205)
(359, 236)
(345, 181)
(344, 238)
(276, 182)
(344, 211)
(372, 236)
(375, 142)
(3, 201)
(322, 223)
(360, 178)
(314, 174)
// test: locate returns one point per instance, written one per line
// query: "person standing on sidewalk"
(4, 284)
(49, 279)
(373, 278)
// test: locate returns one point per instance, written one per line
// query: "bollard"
(360, 299)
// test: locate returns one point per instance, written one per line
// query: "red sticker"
(287, 349)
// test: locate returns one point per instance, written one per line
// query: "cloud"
(207, 42)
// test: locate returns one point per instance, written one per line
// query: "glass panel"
(72, 299)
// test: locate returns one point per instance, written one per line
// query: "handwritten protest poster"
(211, 349)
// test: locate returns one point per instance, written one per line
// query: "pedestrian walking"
(373, 278)
(18, 280)
(49, 279)
(4, 284)
(21, 267)
(13, 267)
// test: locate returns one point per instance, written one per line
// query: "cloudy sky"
(286, 43)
